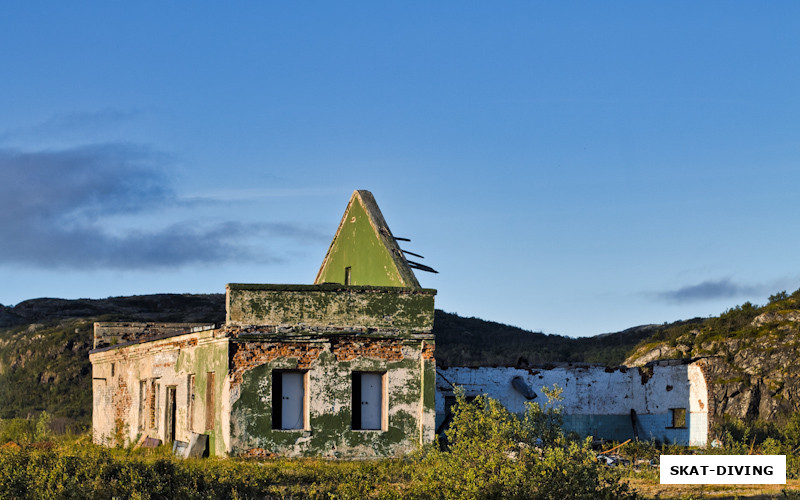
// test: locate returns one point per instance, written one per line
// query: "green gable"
(364, 250)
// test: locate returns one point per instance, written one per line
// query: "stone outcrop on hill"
(753, 372)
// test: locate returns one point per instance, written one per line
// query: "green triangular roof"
(364, 244)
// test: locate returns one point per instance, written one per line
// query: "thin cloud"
(709, 290)
(54, 203)
(70, 123)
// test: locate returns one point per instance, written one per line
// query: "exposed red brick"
(248, 355)
(121, 402)
(428, 349)
(350, 348)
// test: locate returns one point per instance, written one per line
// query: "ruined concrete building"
(345, 368)
(665, 401)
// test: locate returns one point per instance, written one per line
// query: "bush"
(765, 438)
(493, 453)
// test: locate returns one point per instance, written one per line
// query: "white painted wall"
(597, 400)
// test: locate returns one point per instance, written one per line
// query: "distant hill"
(473, 342)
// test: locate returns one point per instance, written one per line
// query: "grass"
(651, 489)
(78, 469)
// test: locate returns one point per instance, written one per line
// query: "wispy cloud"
(54, 203)
(62, 124)
(710, 290)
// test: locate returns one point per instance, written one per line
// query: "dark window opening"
(142, 404)
(190, 404)
(288, 400)
(155, 406)
(449, 403)
(368, 401)
(210, 379)
(678, 418)
(347, 275)
(171, 413)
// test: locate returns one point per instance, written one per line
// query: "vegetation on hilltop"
(464, 341)
(779, 316)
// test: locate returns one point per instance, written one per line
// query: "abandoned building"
(345, 368)
(666, 401)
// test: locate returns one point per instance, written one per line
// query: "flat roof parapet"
(331, 306)
(329, 287)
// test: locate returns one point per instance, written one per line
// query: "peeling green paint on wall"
(402, 310)
(329, 409)
(358, 246)
(364, 251)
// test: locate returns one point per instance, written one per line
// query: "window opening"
(678, 418)
(368, 401)
(347, 275)
(155, 406)
(210, 376)
(142, 403)
(449, 403)
(288, 400)
(190, 404)
(169, 424)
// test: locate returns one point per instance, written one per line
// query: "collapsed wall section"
(665, 401)
(118, 333)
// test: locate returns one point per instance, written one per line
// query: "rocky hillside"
(754, 354)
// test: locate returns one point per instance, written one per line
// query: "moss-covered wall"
(330, 362)
(386, 309)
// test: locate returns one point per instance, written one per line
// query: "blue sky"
(568, 167)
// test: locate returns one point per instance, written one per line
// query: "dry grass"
(653, 489)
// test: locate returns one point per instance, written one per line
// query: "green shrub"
(493, 453)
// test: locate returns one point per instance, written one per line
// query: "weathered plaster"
(597, 400)
(167, 362)
(329, 396)
(326, 308)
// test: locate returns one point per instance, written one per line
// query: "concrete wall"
(288, 308)
(597, 400)
(124, 409)
(328, 363)
(328, 332)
